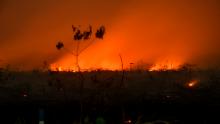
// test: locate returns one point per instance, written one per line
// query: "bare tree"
(79, 38)
(82, 40)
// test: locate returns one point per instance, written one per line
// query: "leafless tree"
(79, 38)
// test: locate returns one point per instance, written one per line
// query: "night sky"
(149, 31)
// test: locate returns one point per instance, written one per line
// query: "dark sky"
(152, 31)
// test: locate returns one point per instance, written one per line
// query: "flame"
(104, 66)
(166, 65)
(66, 64)
(192, 83)
(160, 66)
(59, 68)
(128, 121)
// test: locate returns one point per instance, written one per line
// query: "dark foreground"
(156, 113)
(110, 98)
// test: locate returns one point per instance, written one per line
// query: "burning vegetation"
(192, 83)
(154, 40)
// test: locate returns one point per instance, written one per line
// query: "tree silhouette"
(100, 32)
(59, 45)
(79, 37)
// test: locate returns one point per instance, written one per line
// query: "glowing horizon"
(162, 34)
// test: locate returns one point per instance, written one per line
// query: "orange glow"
(166, 65)
(142, 30)
(192, 83)
(110, 62)
(104, 66)
(59, 68)
(54, 67)
(128, 121)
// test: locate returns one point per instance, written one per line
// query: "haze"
(148, 31)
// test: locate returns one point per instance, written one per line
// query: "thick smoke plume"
(152, 32)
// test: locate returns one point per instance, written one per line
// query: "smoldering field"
(63, 86)
(156, 95)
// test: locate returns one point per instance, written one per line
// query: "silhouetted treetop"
(83, 35)
(100, 32)
(78, 34)
(87, 34)
(74, 28)
(59, 45)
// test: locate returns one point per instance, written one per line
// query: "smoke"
(161, 32)
(174, 32)
(29, 29)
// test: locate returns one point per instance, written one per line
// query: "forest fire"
(104, 66)
(160, 66)
(109, 61)
(54, 67)
(165, 65)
